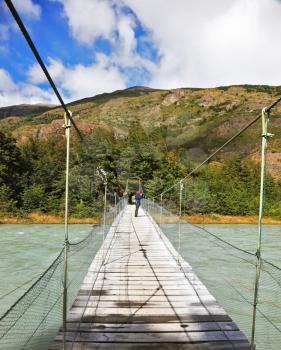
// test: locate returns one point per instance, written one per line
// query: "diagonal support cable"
(33, 48)
(230, 140)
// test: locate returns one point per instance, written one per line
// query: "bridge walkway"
(141, 298)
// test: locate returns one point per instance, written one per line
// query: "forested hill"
(23, 110)
(158, 135)
(194, 121)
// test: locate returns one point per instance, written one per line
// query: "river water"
(219, 255)
(27, 250)
(242, 236)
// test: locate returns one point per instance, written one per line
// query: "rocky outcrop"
(174, 97)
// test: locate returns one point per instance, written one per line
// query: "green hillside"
(23, 110)
(158, 135)
(196, 120)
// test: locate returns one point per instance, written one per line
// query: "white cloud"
(127, 39)
(209, 43)
(6, 82)
(36, 75)
(199, 43)
(80, 81)
(99, 19)
(28, 8)
(107, 19)
(124, 54)
(12, 93)
(90, 20)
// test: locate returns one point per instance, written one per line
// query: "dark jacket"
(138, 198)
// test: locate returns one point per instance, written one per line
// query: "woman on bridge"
(138, 198)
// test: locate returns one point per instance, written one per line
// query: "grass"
(216, 219)
(227, 219)
(39, 218)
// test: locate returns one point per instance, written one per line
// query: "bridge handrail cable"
(230, 140)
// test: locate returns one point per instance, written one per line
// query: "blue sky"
(95, 46)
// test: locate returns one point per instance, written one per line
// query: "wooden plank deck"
(140, 298)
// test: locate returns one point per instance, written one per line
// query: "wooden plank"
(190, 310)
(141, 291)
(141, 285)
(238, 345)
(119, 318)
(153, 327)
(135, 303)
(167, 337)
(141, 298)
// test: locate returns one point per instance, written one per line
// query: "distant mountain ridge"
(192, 121)
(23, 110)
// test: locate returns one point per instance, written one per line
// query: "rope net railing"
(213, 219)
(226, 184)
(229, 271)
(34, 319)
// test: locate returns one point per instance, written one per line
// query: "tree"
(34, 198)
(7, 203)
(11, 167)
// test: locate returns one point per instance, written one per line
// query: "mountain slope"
(192, 121)
(23, 110)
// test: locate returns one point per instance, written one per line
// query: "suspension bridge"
(139, 294)
(126, 286)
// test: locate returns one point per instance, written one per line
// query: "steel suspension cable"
(68, 123)
(234, 137)
(33, 48)
(216, 152)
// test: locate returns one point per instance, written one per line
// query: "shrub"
(34, 198)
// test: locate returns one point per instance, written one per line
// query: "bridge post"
(66, 126)
(161, 213)
(265, 135)
(127, 186)
(115, 204)
(179, 227)
(104, 219)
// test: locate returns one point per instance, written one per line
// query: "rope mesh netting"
(34, 319)
(211, 217)
(229, 274)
